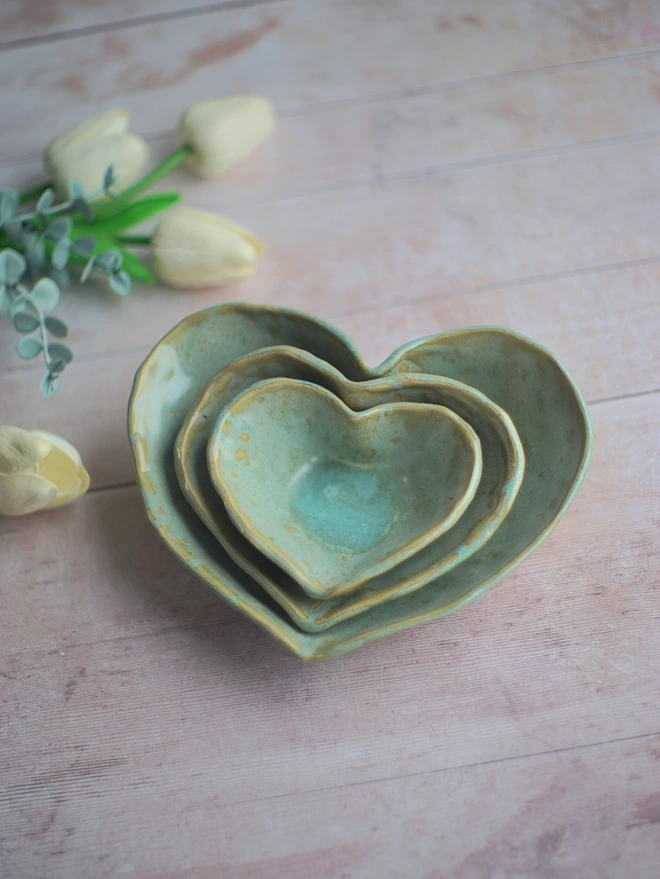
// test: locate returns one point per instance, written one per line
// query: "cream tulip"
(38, 471)
(221, 133)
(195, 248)
(85, 151)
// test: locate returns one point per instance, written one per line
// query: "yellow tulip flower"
(38, 471)
(221, 133)
(195, 248)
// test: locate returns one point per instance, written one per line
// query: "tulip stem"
(135, 239)
(160, 171)
(35, 192)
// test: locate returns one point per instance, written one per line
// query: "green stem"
(35, 192)
(57, 209)
(160, 171)
(140, 240)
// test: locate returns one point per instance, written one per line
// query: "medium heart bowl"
(501, 479)
(337, 497)
(517, 374)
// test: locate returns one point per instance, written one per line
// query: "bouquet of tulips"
(81, 219)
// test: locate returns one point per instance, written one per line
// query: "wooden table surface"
(437, 164)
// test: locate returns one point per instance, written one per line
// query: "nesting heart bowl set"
(334, 504)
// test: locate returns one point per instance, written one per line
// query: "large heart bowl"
(517, 374)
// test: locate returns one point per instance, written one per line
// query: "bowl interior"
(335, 496)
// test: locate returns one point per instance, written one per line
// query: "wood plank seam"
(496, 285)
(470, 82)
(460, 767)
(450, 167)
(125, 24)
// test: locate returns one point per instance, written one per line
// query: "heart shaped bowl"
(517, 374)
(337, 497)
(502, 472)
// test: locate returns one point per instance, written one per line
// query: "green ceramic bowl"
(519, 375)
(337, 497)
(503, 465)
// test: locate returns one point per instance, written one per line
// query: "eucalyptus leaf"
(120, 283)
(5, 302)
(61, 277)
(30, 238)
(9, 200)
(60, 255)
(56, 327)
(36, 255)
(75, 190)
(20, 303)
(110, 260)
(55, 367)
(12, 266)
(25, 322)
(83, 209)
(48, 386)
(29, 347)
(45, 201)
(45, 294)
(85, 246)
(87, 271)
(60, 228)
(58, 351)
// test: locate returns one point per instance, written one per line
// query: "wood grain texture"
(445, 234)
(174, 702)
(437, 165)
(38, 19)
(303, 53)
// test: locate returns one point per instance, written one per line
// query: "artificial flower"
(221, 133)
(38, 471)
(85, 151)
(195, 248)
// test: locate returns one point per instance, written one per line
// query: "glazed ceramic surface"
(337, 497)
(502, 472)
(519, 375)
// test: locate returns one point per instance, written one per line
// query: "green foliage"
(134, 268)
(29, 347)
(40, 244)
(117, 216)
(41, 248)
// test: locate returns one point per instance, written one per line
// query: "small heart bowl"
(336, 497)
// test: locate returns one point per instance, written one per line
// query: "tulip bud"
(38, 471)
(85, 151)
(223, 132)
(194, 248)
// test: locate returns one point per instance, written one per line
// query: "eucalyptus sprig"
(42, 246)
(27, 311)
(43, 243)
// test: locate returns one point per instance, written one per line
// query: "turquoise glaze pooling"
(424, 460)
(329, 499)
(525, 379)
